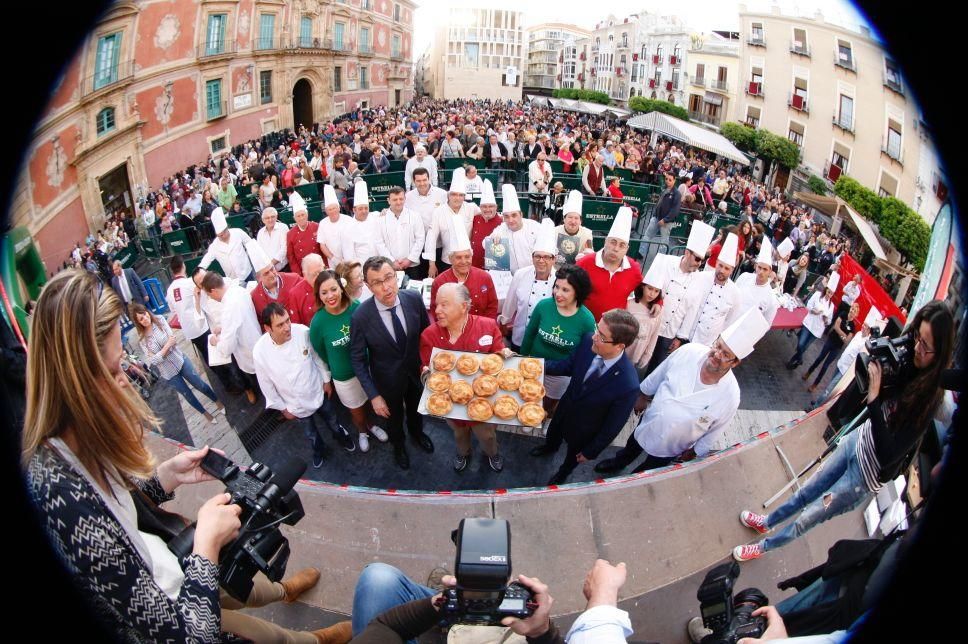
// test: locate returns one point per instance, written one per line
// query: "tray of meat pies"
(485, 388)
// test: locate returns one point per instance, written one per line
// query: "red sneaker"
(747, 552)
(755, 521)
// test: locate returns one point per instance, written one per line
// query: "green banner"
(310, 191)
(378, 185)
(285, 216)
(450, 164)
(569, 181)
(177, 241)
(150, 247)
(127, 256)
(398, 165)
(598, 214)
(621, 173)
(315, 210)
(238, 221)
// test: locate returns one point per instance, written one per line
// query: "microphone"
(281, 483)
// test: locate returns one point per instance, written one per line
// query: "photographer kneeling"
(877, 452)
(602, 622)
(89, 471)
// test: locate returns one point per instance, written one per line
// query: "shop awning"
(697, 137)
(831, 206)
(713, 98)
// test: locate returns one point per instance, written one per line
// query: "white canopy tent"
(835, 208)
(585, 107)
(697, 137)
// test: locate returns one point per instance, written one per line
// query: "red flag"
(871, 293)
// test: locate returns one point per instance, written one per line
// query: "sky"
(703, 15)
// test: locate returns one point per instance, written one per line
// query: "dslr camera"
(267, 500)
(730, 618)
(483, 596)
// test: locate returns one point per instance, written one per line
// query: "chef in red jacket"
(614, 275)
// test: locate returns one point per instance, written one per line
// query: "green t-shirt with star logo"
(330, 337)
(553, 336)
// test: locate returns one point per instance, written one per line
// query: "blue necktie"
(399, 334)
(596, 373)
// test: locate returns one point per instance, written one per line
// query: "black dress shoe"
(609, 466)
(544, 450)
(402, 458)
(423, 441)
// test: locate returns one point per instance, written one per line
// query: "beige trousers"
(486, 435)
(254, 628)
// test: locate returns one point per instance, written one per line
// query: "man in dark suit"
(128, 285)
(600, 397)
(385, 351)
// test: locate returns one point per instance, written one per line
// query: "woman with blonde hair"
(89, 471)
(160, 349)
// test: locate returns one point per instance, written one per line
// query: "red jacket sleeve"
(426, 346)
(491, 309)
(291, 252)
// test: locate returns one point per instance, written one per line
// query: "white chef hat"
(743, 334)
(487, 196)
(833, 281)
(509, 197)
(329, 196)
(727, 254)
(218, 221)
(622, 225)
(458, 235)
(874, 318)
(785, 248)
(458, 182)
(258, 256)
(655, 276)
(573, 203)
(547, 238)
(700, 236)
(360, 196)
(297, 203)
(766, 253)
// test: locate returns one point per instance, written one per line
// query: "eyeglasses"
(601, 338)
(721, 351)
(383, 282)
(918, 340)
(544, 258)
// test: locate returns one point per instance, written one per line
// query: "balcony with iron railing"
(216, 49)
(265, 45)
(756, 41)
(698, 81)
(396, 56)
(754, 88)
(751, 121)
(365, 49)
(893, 83)
(799, 103)
(845, 62)
(845, 124)
(702, 117)
(719, 85)
(310, 43)
(117, 76)
(799, 49)
(894, 153)
(832, 172)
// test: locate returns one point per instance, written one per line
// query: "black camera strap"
(152, 519)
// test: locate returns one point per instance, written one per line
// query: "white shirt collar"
(600, 261)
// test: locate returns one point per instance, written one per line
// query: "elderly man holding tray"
(456, 329)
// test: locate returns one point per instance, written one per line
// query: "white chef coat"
(719, 306)
(522, 242)
(681, 296)
(181, 300)
(475, 186)
(424, 205)
(762, 297)
(240, 327)
(857, 344)
(401, 237)
(291, 375)
(274, 243)
(412, 164)
(820, 312)
(685, 413)
(365, 237)
(440, 229)
(524, 293)
(338, 237)
(231, 255)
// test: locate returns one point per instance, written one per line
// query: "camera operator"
(95, 486)
(878, 451)
(601, 623)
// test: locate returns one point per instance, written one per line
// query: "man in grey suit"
(385, 351)
(128, 285)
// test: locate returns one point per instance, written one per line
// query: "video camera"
(893, 354)
(267, 500)
(483, 596)
(730, 618)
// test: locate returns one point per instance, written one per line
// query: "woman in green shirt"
(329, 333)
(557, 326)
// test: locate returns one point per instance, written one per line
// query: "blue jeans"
(380, 588)
(827, 354)
(188, 375)
(838, 374)
(655, 233)
(804, 340)
(822, 591)
(835, 488)
(313, 424)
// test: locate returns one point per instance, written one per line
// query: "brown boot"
(339, 633)
(250, 395)
(300, 583)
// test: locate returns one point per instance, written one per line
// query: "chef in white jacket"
(239, 330)
(272, 238)
(720, 304)
(228, 248)
(367, 224)
(295, 380)
(690, 400)
(401, 234)
(755, 287)
(531, 284)
(517, 233)
(439, 230)
(682, 294)
(336, 230)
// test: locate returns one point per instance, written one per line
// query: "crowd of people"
(320, 312)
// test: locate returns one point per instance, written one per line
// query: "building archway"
(302, 104)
